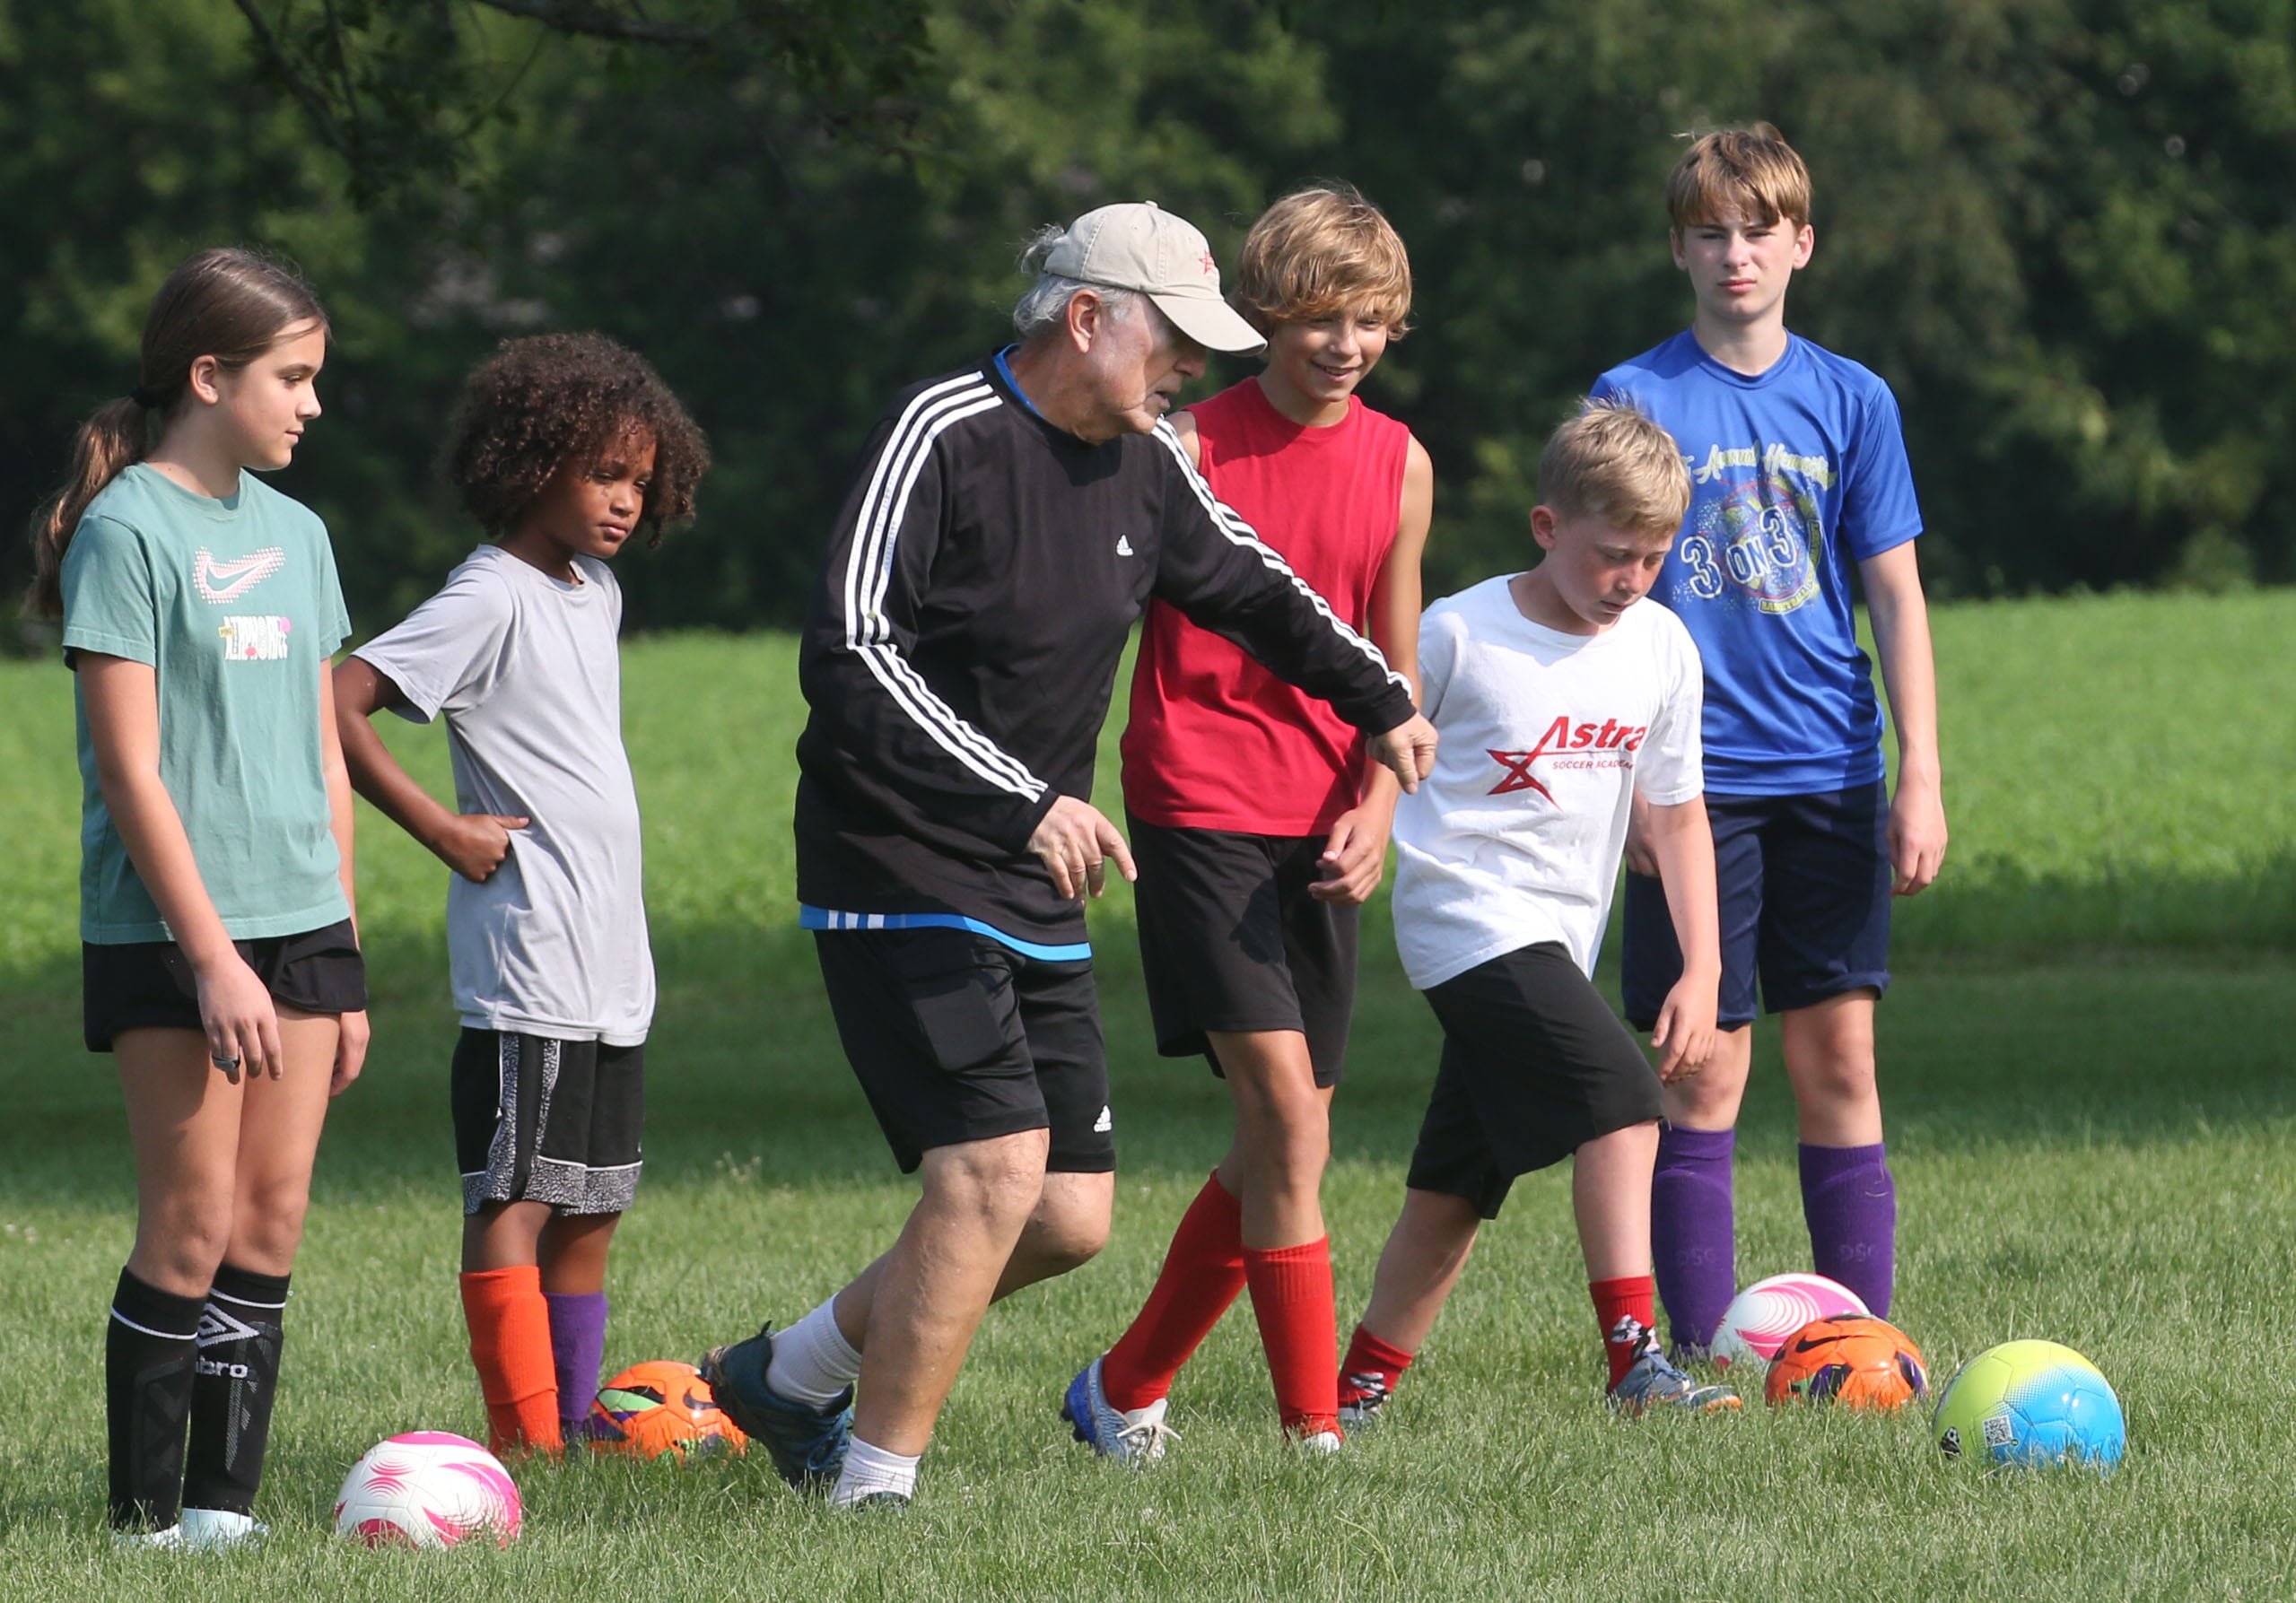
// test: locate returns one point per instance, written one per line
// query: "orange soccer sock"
(509, 1343)
(1202, 1273)
(1291, 1294)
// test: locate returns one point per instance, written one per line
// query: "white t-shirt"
(528, 672)
(1515, 837)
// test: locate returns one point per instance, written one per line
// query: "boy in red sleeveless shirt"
(1258, 826)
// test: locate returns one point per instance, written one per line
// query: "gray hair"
(1045, 304)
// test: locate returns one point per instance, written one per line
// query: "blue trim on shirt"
(821, 917)
(1005, 372)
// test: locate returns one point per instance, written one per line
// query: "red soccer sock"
(1291, 1294)
(1630, 1296)
(1372, 1367)
(1202, 1273)
(509, 1343)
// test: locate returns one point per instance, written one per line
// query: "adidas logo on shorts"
(1103, 1124)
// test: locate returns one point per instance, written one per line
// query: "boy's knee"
(1836, 1082)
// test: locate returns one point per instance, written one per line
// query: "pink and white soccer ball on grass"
(1760, 1319)
(428, 1489)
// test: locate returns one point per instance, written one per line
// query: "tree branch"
(314, 104)
(579, 17)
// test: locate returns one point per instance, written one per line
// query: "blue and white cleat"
(807, 1444)
(1654, 1380)
(1134, 1437)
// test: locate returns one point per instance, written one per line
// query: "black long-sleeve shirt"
(964, 638)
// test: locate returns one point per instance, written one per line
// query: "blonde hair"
(1612, 462)
(1320, 250)
(1751, 171)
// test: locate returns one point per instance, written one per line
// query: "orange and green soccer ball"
(661, 1407)
(1856, 1359)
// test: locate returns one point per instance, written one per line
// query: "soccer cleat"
(169, 1540)
(1655, 1381)
(1135, 1437)
(807, 1444)
(217, 1530)
(1361, 1397)
(878, 1504)
(1319, 1444)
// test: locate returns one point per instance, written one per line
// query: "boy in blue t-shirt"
(1798, 471)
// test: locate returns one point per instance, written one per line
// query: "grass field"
(2089, 1080)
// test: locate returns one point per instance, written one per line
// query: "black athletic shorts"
(1231, 940)
(1535, 1064)
(539, 1119)
(148, 985)
(1802, 884)
(956, 1037)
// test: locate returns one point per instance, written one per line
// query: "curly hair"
(547, 399)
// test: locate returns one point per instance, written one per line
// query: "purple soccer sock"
(576, 1348)
(1852, 1205)
(1693, 1221)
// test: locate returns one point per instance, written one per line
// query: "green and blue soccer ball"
(2031, 1403)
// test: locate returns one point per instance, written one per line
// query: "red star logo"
(1210, 266)
(1518, 773)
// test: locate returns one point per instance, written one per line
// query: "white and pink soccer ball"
(1764, 1317)
(428, 1489)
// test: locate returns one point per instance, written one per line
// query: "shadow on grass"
(745, 1075)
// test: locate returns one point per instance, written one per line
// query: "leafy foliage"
(2059, 228)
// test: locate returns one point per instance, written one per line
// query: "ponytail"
(104, 445)
(229, 304)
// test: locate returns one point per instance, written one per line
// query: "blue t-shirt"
(1797, 473)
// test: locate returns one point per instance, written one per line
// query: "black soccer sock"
(239, 1337)
(150, 1346)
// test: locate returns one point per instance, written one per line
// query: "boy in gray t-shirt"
(565, 447)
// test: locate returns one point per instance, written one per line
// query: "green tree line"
(2063, 229)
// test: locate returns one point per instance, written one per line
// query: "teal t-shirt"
(235, 605)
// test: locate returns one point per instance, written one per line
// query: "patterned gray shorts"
(537, 1119)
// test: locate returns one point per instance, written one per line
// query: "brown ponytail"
(229, 304)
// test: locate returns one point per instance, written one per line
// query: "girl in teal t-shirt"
(220, 967)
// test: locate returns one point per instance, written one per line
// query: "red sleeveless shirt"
(1216, 742)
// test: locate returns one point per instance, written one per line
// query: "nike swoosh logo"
(221, 582)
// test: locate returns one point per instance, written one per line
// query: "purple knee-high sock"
(1852, 1205)
(576, 1348)
(1693, 1249)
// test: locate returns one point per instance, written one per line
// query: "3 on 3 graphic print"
(246, 636)
(1763, 537)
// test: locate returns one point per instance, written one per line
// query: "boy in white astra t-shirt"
(1558, 699)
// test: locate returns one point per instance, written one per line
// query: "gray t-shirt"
(233, 605)
(526, 670)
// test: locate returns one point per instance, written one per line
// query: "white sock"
(872, 1469)
(812, 1360)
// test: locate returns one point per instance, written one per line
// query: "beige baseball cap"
(1137, 245)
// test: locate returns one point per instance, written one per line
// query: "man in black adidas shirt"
(1010, 525)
